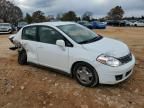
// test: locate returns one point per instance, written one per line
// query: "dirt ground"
(32, 87)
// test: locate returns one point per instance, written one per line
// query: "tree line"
(115, 13)
(13, 14)
(39, 16)
(9, 12)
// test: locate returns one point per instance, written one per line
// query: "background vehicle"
(116, 23)
(86, 24)
(98, 25)
(21, 25)
(128, 23)
(138, 24)
(5, 28)
(76, 50)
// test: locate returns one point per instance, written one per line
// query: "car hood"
(108, 46)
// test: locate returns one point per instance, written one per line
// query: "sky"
(99, 8)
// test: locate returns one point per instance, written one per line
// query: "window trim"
(65, 39)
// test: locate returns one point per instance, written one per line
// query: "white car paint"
(5, 28)
(63, 58)
(59, 60)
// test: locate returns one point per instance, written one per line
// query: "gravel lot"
(33, 87)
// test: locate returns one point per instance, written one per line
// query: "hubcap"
(84, 75)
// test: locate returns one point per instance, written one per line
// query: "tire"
(22, 57)
(85, 75)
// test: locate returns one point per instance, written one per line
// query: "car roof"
(57, 23)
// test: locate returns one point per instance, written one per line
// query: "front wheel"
(22, 57)
(86, 75)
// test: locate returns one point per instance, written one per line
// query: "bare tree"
(69, 16)
(9, 12)
(116, 13)
(87, 16)
(28, 18)
(38, 16)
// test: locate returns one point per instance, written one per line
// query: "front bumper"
(114, 75)
(5, 31)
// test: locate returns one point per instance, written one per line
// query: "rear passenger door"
(29, 42)
(49, 54)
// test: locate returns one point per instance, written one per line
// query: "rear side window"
(29, 33)
(49, 35)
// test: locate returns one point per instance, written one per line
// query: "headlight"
(108, 60)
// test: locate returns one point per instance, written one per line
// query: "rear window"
(29, 33)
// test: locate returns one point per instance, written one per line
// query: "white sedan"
(75, 50)
(5, 28)
(138, 24)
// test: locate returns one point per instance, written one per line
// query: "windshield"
(78, 33)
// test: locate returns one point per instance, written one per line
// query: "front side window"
(49, 35)
(29, 33)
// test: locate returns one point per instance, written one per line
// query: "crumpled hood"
(108, 46)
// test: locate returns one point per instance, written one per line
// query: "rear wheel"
(22, 57)
(85, 74)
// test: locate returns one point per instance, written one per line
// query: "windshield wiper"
(91, 40)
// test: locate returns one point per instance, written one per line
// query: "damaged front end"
(16, 44)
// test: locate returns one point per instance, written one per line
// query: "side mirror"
(60, 43)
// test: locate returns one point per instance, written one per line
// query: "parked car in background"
(116, 23)
(112, 23)
(21, 25)
(86, 24)
(142, 20)
(5, 28)
(98, 25)
(138, 23)
(90, 58)
(128, 23)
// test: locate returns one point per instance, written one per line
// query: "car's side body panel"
(31, 50)
(53, 56)
(139, 24)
